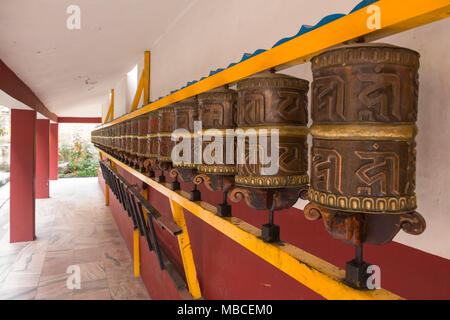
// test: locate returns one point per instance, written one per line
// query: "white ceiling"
(72, 71)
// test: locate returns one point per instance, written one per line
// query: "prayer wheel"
(116, 139)
(217, 110)
(122, 140)
(151, 153)
(142, 141)
(186, 112)
(271, 149)
(364, 110)
(166, 125)
(133, 142)
(127, 138)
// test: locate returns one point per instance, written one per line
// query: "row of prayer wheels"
(361, 180)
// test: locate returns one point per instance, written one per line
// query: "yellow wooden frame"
(186, 251)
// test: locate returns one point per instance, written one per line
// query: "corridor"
(73, 228)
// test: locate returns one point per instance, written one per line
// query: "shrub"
(82, 162)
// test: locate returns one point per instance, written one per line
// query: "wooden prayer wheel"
(364, 110)
(133, 141)
(151, 154)
(272, 115)
(166, 125)
(122, 140)
(217, 110)
(127, 140)
(186, 112)
(142, 141)
(116, 139)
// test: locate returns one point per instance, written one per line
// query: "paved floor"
(74, 230)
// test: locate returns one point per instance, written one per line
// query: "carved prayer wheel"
(271, 148)
(134, 142)
(122, 140)
(364, 109)
(166, 125)
(127, 142)
(186, 112)
(117, 140)
(151, 153)
(112, 138)
(217, 110)
(142, 141)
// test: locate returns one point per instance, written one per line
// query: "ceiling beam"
(12, 85)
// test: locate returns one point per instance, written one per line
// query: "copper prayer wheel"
(113, 139)
(166, 125)
(134, 141)
(151, 153)
(364, 110)
(127, 141)
(116, 139)
(217, 109)
(141, 141)
(121, 140)
(186, 112)
(271, 103)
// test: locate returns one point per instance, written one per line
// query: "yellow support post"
(186, 251)
(110, 113)
(145, 195)
(106, 195)
(146, 75)
(136, 257)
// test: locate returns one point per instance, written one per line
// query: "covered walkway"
(73, 228)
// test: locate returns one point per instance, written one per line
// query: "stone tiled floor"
(73, 228)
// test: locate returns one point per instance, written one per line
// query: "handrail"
(396, 16)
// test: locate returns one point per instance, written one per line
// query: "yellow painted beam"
(396, 16)
(136, 254)
(145, 195)
(106, 195)
(313, 272)
(146, 75)
(186, 251)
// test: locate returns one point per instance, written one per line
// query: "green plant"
(82, 162)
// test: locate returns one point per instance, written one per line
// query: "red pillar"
(42, 158)
(53, 151)
(22, 173)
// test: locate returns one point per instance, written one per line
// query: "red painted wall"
(42, 158)
(228, 271)
(158, 283)
(22, 171)
(53, 175)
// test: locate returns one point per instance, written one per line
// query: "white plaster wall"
(213, 33)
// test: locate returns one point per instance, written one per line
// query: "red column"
(22, 172)
(42, 158)
(53, 151)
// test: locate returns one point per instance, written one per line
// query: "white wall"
(214, 33)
